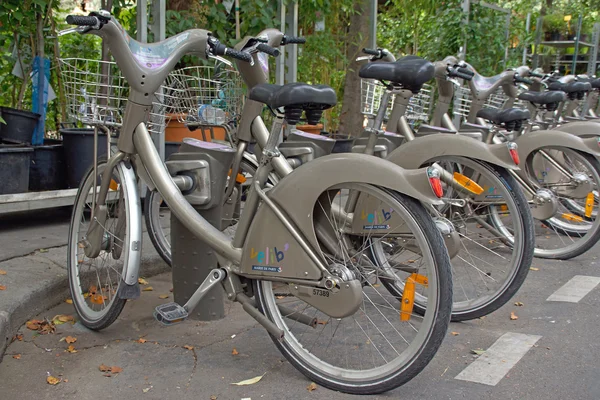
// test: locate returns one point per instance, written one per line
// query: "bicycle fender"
(271, 250)
(421, 150)
(133, 256)
(532, 141)
(580, 128)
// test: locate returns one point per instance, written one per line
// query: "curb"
(48, 291)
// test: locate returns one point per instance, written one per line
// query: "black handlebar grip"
(466, 71)
(292, 39)
(536, 75)
(80, 20)
(265, 48)
(240, 55)
(466, 77)
(520, 79)
(371, 52)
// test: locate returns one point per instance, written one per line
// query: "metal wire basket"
(96, 94)
(418, 108)
(463, 100)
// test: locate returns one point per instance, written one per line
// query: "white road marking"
(575, 289)
(495, 363)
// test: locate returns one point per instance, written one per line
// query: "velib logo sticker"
(268, 260)
(376, 219)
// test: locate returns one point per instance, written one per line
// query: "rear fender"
(582, 129)
(271, 250)
(421, 150)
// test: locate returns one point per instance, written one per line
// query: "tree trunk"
(351, 119)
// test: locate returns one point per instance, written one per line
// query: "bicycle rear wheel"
(379, 347)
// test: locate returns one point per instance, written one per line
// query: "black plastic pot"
(19, 125)
(14, 168)
(48, 170)
(343, 143)
(78, 147)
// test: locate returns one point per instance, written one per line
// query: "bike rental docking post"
(207, 164)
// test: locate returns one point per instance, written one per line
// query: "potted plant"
(553, 25)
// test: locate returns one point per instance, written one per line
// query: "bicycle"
(322, 267)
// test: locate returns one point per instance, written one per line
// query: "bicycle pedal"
(170, 313)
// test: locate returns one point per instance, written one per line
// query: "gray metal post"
(577, 36)
(142, 21)
(593, 52)
(507, 39)
(373, 25)
(159, 31)
(291, 61)
(526, 46)
(466, 7)
(538, 40)
(193, 259)
(280, 61)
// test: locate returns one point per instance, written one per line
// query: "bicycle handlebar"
(372, 52)
(265, 48)
(240, 55)
(292, 39)
(460, 72)
(520, 79)
(80, 20)
(536, 75)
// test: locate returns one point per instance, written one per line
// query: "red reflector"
(435, 182)
(436, 186)
(514, 154)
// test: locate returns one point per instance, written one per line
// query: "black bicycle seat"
(540, 98)
(411, 72)
(595, 82)
(512, 118)
(299, 95)
(570, 87)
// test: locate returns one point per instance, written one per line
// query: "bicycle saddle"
(296, 97)
(411, 72)
(540, 98)
(297, 94)
(512, 118)
(570, 87)
(595, 82)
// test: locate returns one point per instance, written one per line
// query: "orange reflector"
(572, 217)
(467, 183)
(239, 178)
(97, 299)
(113, 185)
(589, 204)
(503, 207)
(408, 296)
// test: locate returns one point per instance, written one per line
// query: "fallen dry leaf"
(280, 297)
(142, 281)
(116, 370)
(62, 319)
(478, 351)
(65, 380)
(249, 381)
(163, 296)
(104, 368)
(188, 347)
(534, 268)
(44, 327)
(519, 304)
(18, 337)
(311, 387)
(17, 356)
(319, 322)
(2, 287)
(146, 390)
(70, 339)
(71, 349)
(69, 301)
(213, 397)
(147, 289)
(141, 340)
(513, 316)
(43, 250)
(234, 352)
(454, 333)
(52, 380)
(2, 272)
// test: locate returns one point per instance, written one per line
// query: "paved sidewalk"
(33, 253)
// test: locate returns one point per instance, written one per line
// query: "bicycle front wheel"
(382, 345)
(94, 282)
